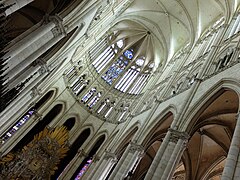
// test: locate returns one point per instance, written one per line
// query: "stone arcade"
(147, 89)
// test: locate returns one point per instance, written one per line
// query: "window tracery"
(94, 100)
(89, 94)
(119, 67)
(120, 62)
(17, 125)
(224, 60)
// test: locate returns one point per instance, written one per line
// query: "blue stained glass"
(114, 71)
(15, 128)
(31, 112)
(128, 54)
(83, 170)
(88, 95)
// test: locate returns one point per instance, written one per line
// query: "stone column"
(233, 154)
(105, 164)
(167, 156)
(127, 161)
(30, 47)
(158, 156)
(73, 165)
(181, 142)
(15, 5)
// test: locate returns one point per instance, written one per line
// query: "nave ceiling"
(175, 23)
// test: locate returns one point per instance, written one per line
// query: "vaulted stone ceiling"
(33, 13)
(175, 23)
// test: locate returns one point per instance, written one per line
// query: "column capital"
(35, 92)
(96, 158)
(59, 28)
(109, 155)
(176, 135)
(135, 147)
(38, 115)
(81, 152)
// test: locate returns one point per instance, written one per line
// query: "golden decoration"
(38, 159)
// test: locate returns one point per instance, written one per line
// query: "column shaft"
(158, 157)
(173, 161)
(233, 154)
(127, 161)
(29, 39)
(16, 5)
(119, 163)
(103, 166)
(164, 161)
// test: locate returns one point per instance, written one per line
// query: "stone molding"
(135, 147)
(81, 152)
(109, 155)
(59, 28)
(175, 135)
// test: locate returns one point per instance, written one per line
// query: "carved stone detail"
(176, 135)
(59, 29)
(109, 155)
(81, 152)
(135, 147)
(43, 66)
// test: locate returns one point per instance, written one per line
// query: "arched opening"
(43, 100)
(69, 123)
(122, 147)
(211, 136)
(88, 160)
(153, 142)
(24, 118)
(53, 113)
(72, 152)
(31, 14)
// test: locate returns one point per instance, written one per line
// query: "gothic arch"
(95, 139)
(94, 150)
(70, 123)
(152, 142)
(169, 111)
(213, 117)
(63, 109)
(46, 99)
(126, 138)
(208, 173)
(52, 114)
(74, 148)
(206, 99)
(86, 126)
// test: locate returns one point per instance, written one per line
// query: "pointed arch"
(171, 110)
(74, 148)
(126, 138)
(207, 98)
(47, 119)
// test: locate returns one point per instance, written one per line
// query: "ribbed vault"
(210, 140)
(177, 23)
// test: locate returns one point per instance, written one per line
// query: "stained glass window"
(83, 170)
(139, 62)
(151, 65)
(88, 95)
(94, 100)
(19, 124)
(113, 72)
(120, 43)
(128, 54)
